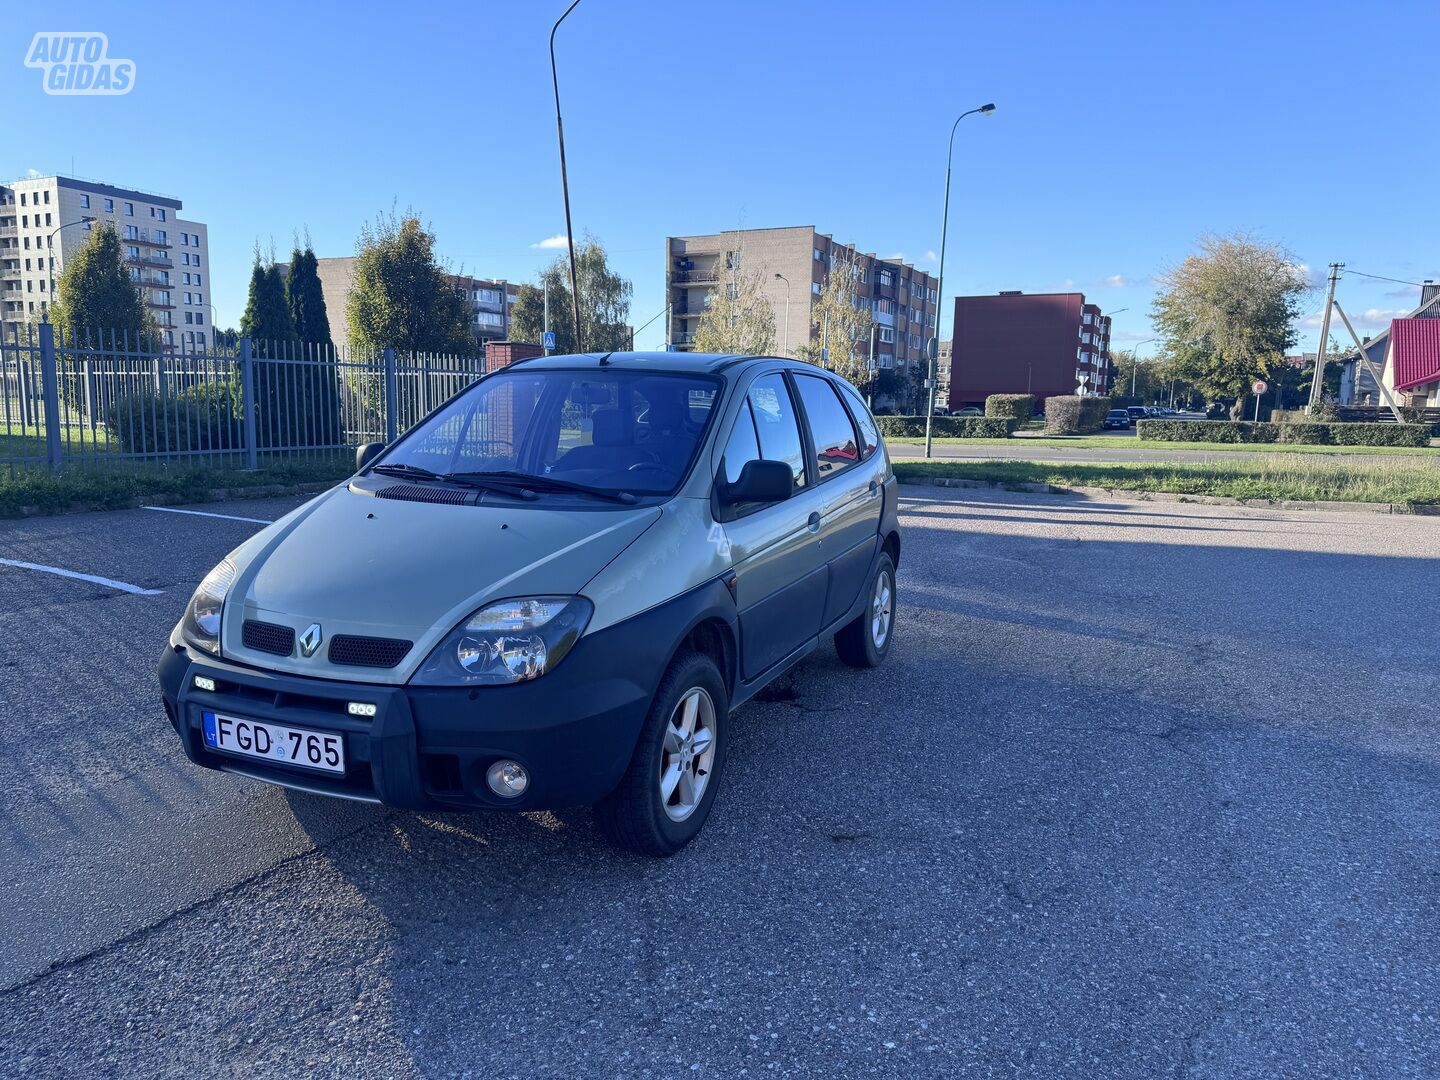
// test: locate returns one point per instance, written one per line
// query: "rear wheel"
(670, 784)
(864, 641)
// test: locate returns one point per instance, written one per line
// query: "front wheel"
(669, 786)
(865, 640)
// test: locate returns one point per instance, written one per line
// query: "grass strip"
(1281, 477)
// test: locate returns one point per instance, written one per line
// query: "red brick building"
(1016, 343)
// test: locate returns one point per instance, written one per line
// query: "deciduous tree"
(843, 322)
(402, 296)
(1227, 314)
(604, 303)
(738, 317)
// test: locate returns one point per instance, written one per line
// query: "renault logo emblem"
(310, 639)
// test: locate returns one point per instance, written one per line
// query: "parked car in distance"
(1117, 418)
(1137, 412)
(969, 410)
(552, 591)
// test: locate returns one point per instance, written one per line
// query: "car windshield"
(609, 430)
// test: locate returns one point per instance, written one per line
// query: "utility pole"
(1318, 385)
(545, 318)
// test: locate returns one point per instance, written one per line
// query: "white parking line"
(204, 513)
(109, 583)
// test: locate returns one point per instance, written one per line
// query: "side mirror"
(366, 453)
(760, 481)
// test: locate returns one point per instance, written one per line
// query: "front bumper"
(427, 748)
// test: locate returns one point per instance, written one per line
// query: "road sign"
(547, 339)
(1260, 386)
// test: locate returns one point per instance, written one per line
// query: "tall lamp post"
(983, 110)
(50, 263)
(786, 343)
(565, 182)
(1135, 362)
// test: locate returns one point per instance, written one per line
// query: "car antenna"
(606, 358)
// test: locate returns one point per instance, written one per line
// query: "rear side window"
(869, 433)
(776, 426)
(831, 431)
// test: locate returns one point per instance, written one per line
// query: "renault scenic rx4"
(551, 591)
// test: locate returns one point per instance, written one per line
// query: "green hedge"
(1315, 434)
(1070, 414)
(201, 417)
(1021, 407)
(948, 427)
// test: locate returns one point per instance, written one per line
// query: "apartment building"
(1044, 344)
(793, 264)
(168, 256)
(489, 300)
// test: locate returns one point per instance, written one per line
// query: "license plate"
(274, 742)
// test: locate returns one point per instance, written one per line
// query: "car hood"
(359, 565)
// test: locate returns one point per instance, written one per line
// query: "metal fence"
(108, 401)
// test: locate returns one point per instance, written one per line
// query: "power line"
(1377, 277)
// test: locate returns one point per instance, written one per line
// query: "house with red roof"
(1412, 362)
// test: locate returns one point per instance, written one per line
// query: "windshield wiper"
(416, 472)
(544, 483)
(400, 469)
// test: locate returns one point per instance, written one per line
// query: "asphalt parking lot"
(1143, 790)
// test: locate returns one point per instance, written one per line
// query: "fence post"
(50, 392)
(247, 401)
(392, 429)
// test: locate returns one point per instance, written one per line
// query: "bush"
(1070, 414)
(948, 427)
(201, 417)
(1019, 406)
(1310, 433)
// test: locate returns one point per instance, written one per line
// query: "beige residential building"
(168, 256)
(793, 264)
(489, 300)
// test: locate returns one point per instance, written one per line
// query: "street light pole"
(565, 183)
(1135, 362)
(934, 359)
(785, 345)
(50, 264)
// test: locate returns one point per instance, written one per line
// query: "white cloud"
(1315, 278)
(560, 240)
(33, 174)
(899, 256)
(1405, 292)
(930, 256)
(1116, 281)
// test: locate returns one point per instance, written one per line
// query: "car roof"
(672, 362)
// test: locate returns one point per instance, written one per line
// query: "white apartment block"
(42, 222)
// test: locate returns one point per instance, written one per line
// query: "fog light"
(202, 683)
(360, 708)
(507, 779)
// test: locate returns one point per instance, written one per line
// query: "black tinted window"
(830, 427)
(776, 424)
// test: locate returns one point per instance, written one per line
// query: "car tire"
(865, 641)
(642, 814)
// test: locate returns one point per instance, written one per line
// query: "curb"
(1173, 497)
(259, 491)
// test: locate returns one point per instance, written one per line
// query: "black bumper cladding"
(427, 748)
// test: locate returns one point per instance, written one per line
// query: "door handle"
(814, 521)
(874, 489)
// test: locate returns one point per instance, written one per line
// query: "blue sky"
(1123, 132)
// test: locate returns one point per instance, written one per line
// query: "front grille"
(426, 493)
(376, 652)
(268, 637)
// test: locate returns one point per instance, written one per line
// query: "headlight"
(508, 642)
(201, 624)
